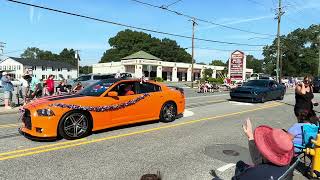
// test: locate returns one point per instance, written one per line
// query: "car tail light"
(177, 88)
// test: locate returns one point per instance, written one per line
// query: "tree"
(202, 63)
(299, 53)
(31, 53)
(85, 69)
(128, 42)
(207, 73)
(66, 55)
(254, 63)
(218, 63)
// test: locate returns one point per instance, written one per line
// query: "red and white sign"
(237, 66)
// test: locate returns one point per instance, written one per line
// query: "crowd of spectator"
(30, 88)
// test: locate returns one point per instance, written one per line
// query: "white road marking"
(241, 103)
(207, 96)
(187, 113)
(225, 167)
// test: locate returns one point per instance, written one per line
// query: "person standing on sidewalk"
(50, 85)
(24, 88)
(35, 88)
(8, 88)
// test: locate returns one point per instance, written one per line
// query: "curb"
(10, 112)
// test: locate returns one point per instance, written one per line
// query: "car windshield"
(97, 88)
(256, 83)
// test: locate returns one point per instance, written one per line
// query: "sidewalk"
(4, 111)
(14, 100)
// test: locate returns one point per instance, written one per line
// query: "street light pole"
(192, 53)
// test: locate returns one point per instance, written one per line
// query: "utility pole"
(192, 53)
(78, 62)
(279, 14)
(319, 55)
(2, 47)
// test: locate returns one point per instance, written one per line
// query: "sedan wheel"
(168, 112)
(74, 125)
(263, 99)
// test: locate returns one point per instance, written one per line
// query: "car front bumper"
(35, 126)
(244, 97)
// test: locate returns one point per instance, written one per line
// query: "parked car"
(258, 91)
(316, 84)
(105, 104)
(89, 79)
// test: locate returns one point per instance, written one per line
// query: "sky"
(22, 26)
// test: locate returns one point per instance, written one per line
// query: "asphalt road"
(186, 149)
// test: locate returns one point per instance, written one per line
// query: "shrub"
(158, 79)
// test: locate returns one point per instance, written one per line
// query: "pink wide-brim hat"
(274, 144)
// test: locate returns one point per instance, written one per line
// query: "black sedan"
(258, 91)
(316, 84)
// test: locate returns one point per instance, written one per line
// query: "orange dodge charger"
(107, 103)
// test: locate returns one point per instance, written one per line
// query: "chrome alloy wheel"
(75, 125)
(169, 112)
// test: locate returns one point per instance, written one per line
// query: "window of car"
(97, 88)
(148, 87)
(96, 77)
(84, 78)
(125, 89)
(259, 83)
(272, 84)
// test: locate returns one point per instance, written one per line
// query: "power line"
(226, 50)
(131, 26)
(175, 2)
(10, 52)
(257, 2)
(199, 19)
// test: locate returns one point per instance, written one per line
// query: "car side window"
(273, 84)
(84, 78)
(148, 87)
(125, 89)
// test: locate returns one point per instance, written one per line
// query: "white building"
(41, 69)
(144, 64)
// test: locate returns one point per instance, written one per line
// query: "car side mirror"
(112, 94)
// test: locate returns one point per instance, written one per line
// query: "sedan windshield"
(97, 88)
(258, 83)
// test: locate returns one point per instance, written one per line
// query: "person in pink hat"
(271, 150)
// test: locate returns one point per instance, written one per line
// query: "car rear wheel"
(168, 112)
(281, 96)
(74, 125)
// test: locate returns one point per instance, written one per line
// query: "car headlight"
(255, 92)
(45, 112)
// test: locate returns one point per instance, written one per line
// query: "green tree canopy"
(85, 69)
(128, 42)
(254, 63)
(299, 51)
(66, 55)
(218, 63)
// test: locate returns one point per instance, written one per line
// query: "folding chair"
(309, 132)
(288, 175)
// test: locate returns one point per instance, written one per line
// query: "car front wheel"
(168, 112)
(74, 125)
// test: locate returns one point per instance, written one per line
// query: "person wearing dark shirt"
(304, 97)
(62, 88)
(271, 151)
